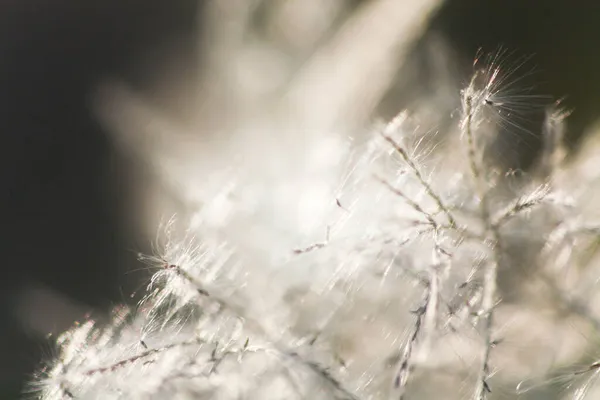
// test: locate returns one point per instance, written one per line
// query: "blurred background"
(79, 199)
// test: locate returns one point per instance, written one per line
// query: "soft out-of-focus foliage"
(319, 256)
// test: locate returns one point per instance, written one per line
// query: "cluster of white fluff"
(384, 295)
(309, 264)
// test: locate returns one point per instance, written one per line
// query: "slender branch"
(428, 189)
(275, 347)
(425, 326)
(406, 364)
(520, 205)
(416, 206)
(489, 293)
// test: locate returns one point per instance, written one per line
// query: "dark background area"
(58, 207)
(561, 39)
(557, 42)
(58, 203)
